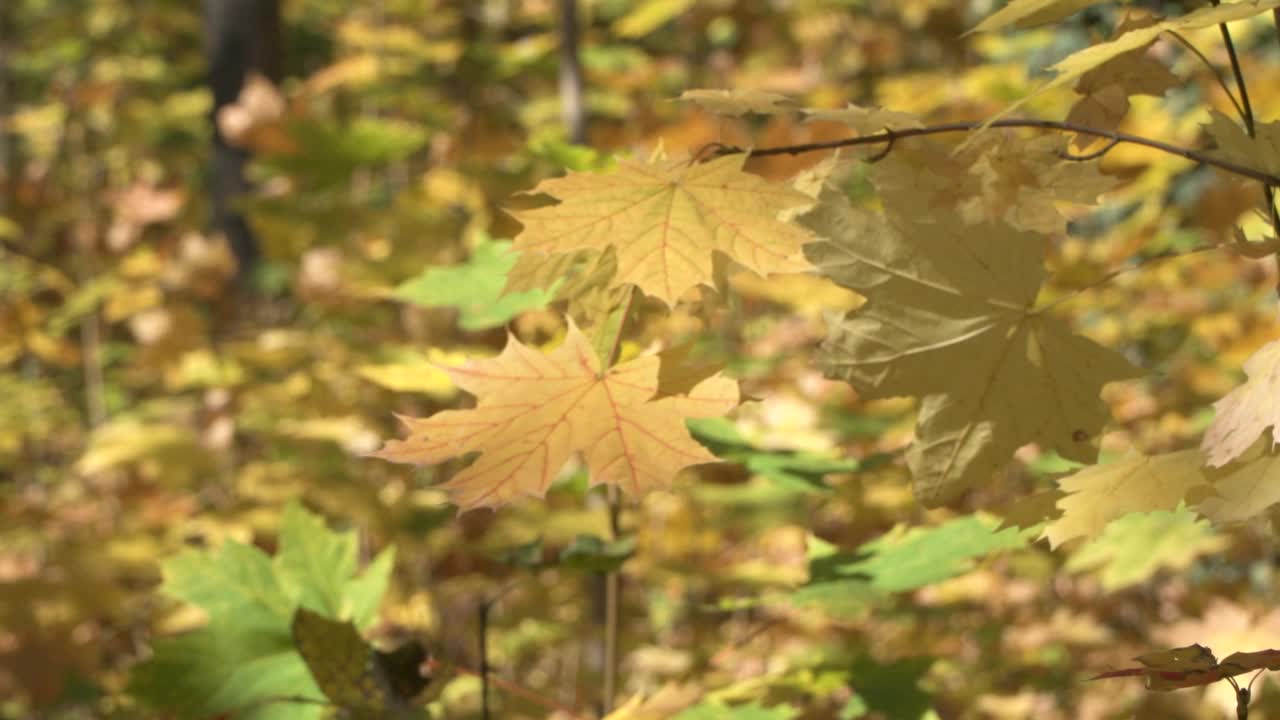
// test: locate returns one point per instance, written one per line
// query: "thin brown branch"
(612, 604)
(1238, 72)
(1250, 124)
(1066, 155)
(1106, 279)
(971, 125)
(1222, 81)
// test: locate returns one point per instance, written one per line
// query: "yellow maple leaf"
(1029, 13)
(1105, 90)
(1247, 411)
(665, 219)
(1244, 488)
(735, 103)
(1136, 483)
(867, 121)
(1234, 493)
(950, 318)
(1261, 152)
(1079, 63)
(535, 410)
(995, 176)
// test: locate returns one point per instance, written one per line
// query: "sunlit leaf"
(243, 660)
(475, 288)
(664, 220)
(1248, 411)
(1029, 13)
(1136, 546)
(536, 410)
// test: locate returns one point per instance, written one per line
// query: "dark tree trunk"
(243, 37)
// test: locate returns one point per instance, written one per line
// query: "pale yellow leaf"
(1081, 62)
(1247, 411)
(997, 176)
(1029, 13)
(1106, 89)
(1234, 144)
(665, 219)
(427, 375)
(535, 410)
(1237, 492)
(649, 15)
(867, 121)
(735, 103)
(668, 701)
(1244, 488)
(950, 318)
(1137, 483)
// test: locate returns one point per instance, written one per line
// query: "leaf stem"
(608, 336)
(1250, 126)
(1117, 273)
(612, 604)
(970, 125)
(1222, 82)
(1247, 113)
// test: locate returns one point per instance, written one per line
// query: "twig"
(509, 687)
(759, 630)
(971, 125)
(1067, 155)
(1117, 273)
(1238, 72)
(1250, 126)
(888, 148)
(290, 699)
(1222, 82)
(483, 609)
(483, 612)
(612, 601)
(7, 168)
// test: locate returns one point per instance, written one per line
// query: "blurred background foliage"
(152, 400)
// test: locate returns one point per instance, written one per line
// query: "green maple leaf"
(1138, 545)
(476, 288)
(908, 559)
(244, 659)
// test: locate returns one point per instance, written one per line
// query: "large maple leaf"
(665, 218)
(950, 317)
(535, 410)
(1137, 483)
